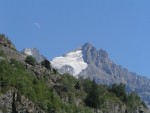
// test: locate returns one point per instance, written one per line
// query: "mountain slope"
(25, 88)
(101, 68)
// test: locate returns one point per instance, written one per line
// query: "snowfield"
(73, 59)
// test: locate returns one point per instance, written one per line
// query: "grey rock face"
(35, 53)
(66, 69)
(6, 102)
(11, 53)
(12, 102)
(115, 107)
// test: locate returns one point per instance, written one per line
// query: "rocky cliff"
(13, 102)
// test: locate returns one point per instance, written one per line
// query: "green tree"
(133, 101)
(144, 105)
(46, 64)
(55, 71)
(93, 99)
(2, 54)
(87, 83)
(30, 60)
(77, 86)
(119, 90)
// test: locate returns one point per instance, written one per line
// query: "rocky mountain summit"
(35, 53)
(101, 68)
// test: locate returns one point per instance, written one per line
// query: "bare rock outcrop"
(13, 102)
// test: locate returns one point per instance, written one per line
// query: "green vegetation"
(6, 42)
(77, 86)
(2, 54)
(92, 99)
(68, 95)
(14, 75)
(46, 64)
(119, 91)
(30, 60)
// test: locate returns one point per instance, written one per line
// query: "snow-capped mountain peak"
(73, 59)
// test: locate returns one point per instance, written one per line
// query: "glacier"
(73, 59)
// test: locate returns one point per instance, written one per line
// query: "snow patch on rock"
(28, 51)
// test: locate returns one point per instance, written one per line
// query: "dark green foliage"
(35, 81)
(55, 71)
(144, 105)
(93, 99)
(30, 60)
(17, 64)
(77, 86)
(2, 54)
(119, 90)
(133, 100)
(46, 64)
(87, 83)
(68, 81)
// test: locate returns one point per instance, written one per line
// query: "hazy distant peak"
(35, 53)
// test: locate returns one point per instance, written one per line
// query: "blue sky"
(121, 27)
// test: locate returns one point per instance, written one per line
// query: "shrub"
(133, 100)
(46, 64)
(144, 105)
(77, 86)
(55, 71)
(2, 54)
(119, 90)
(30, 60)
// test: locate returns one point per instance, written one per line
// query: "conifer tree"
(93, 99)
